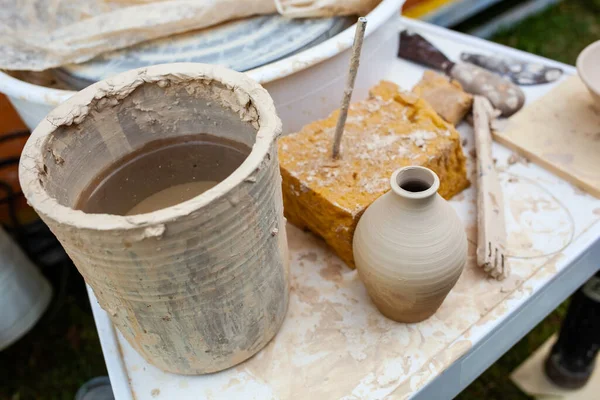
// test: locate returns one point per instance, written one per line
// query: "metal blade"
(521, 73)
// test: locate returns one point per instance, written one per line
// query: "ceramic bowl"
(588, 66)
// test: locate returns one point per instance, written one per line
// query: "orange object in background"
(13, 135)
(9, 119)
(411, 3)
(419, 8)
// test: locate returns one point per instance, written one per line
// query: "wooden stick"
(361, 25)
(491, 229)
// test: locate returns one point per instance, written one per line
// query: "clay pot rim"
(75, 109)
(584, 67)
(415, 172)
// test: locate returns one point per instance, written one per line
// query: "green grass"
(63, 351)
(560, 32)
(60, 354)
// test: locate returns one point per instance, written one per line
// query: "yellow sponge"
(389, 130)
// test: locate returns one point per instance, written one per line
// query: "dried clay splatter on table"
(349, 350)
(334, 343)
(332, 324)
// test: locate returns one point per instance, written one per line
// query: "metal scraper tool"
(504, 95)
(521, 73)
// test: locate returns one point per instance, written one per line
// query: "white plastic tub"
(294, 82)
(24, 292)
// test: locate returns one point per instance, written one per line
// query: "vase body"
(196, 287)
(410, 247)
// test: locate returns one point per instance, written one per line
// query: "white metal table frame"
(508, 329)
(534, 308)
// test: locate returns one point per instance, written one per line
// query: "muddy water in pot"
(161, 174)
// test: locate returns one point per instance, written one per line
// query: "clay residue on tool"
(445, 96)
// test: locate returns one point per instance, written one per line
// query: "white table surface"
(334, 344)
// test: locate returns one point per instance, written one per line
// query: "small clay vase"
(410, 247)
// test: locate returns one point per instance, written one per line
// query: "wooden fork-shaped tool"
(491, 229)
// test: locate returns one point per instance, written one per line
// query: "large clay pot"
(197, 287)
(410, 247)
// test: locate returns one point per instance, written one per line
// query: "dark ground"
(62, 351)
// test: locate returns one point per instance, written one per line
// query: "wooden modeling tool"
(491, 228)
(361, 25)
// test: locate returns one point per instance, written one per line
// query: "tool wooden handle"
(359, 36)
(491, 230)
(504, 95)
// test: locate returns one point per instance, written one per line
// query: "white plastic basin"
(305, 86)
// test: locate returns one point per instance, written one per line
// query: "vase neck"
(415, 185)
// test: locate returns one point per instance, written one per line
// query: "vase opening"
(415, 182)
(415, 186)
